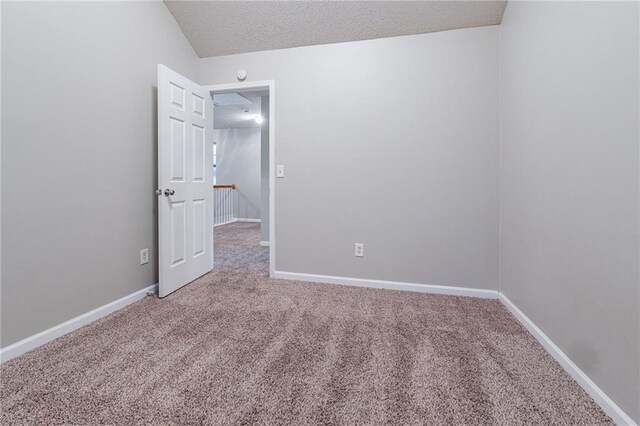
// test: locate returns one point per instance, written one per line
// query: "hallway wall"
(264, 170)
(238, 162)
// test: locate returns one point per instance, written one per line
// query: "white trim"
(391, 285)
(235, 219)
(264, 243)
(607, 405)
(271, 85)
(59, 330)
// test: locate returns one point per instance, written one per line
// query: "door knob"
(168, 192)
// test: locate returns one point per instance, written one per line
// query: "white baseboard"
(264, 243)
(234, 220)
(52, 333)
(607, 405)
(225, 223)
(390, 285)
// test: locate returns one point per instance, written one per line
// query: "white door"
(185, 158)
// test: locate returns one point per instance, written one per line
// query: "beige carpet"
(238, 348)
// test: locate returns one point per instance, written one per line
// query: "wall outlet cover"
(144, 256)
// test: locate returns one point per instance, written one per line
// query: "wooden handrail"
(233, 186)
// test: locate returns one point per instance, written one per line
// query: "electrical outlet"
(359, 250)
(144, 256)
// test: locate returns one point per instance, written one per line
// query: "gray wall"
(264, 170)
(392, 143)
(238, 162)
(569, 182)
(79, 154)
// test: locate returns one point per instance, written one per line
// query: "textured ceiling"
(217, 28)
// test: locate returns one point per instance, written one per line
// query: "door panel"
(177, 153)
(200, 227)
(178, 234)
(199, 144)
(185, 149)
(198, 105)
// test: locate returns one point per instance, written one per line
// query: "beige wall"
(392, 143)
(569, 182)
(79, 154)
(238, 163)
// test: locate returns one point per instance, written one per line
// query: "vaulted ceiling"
(217, 28)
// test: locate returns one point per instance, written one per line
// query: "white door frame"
(258, 85)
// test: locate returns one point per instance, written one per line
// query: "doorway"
(244, 178)
(241, 180)
(186, 244)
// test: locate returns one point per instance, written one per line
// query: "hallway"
(237, 247)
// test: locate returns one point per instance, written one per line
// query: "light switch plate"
(144, 256)
(280, 171)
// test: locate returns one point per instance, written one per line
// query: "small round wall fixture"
(242, 75)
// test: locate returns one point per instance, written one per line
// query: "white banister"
(223, 202)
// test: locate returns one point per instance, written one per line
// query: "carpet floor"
(236, 347)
